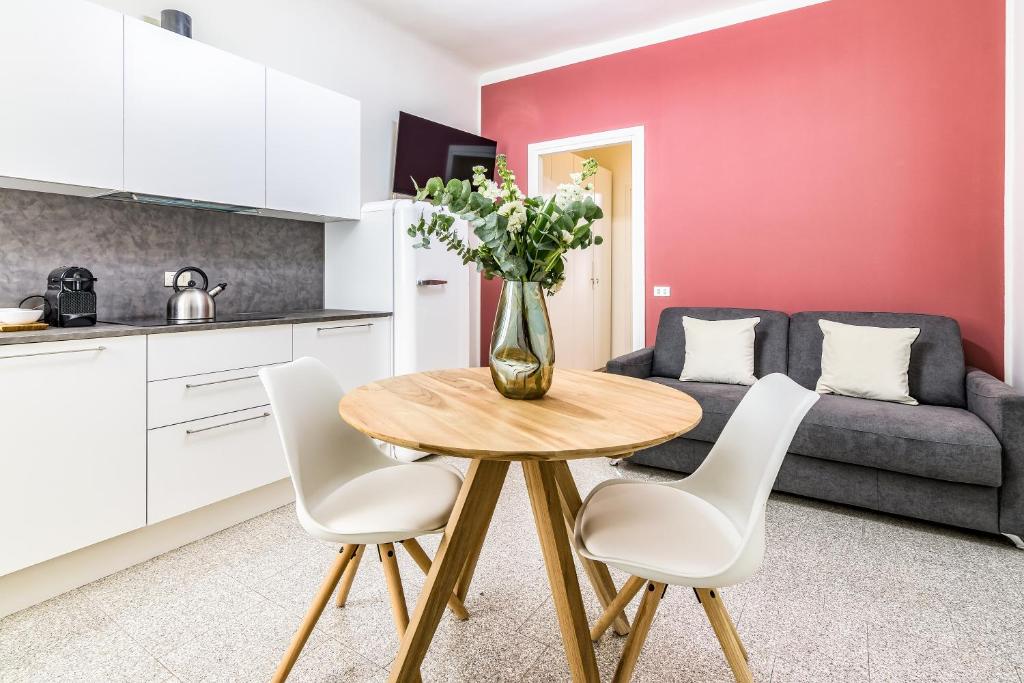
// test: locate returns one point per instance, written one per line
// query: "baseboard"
(45, 580)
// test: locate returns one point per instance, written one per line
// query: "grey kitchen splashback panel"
(270, 264)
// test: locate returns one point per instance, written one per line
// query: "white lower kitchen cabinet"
(356, 351)
(73, 450)
(201, 462)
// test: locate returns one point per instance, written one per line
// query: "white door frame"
(635, 137)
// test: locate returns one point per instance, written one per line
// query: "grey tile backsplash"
(269, 264)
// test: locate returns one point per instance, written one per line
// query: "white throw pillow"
(866, 362)
(719, 351)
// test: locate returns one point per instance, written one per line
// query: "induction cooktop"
(163, 322)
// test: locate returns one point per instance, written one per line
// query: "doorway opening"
(598, 313)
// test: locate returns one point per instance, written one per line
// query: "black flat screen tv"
(426, 149)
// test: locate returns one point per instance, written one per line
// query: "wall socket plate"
(169, 279)
(659, 290)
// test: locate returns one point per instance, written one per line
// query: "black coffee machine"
(71, 297)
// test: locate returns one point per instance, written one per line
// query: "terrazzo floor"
(844, 595)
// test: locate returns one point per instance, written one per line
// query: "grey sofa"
(958, 458)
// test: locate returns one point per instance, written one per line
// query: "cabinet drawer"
(190, 398)
(200, 462)
(180, 354)
(357, 351)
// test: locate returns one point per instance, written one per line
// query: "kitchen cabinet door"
(356, 351)
(312, 149)
(61, 120)
(194, 119)
(73, 447)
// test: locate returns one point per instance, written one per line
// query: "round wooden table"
(459, 412)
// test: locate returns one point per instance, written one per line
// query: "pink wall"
(848, 155)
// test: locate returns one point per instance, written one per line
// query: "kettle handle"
(190, 269)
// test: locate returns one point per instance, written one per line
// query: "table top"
(460, 413)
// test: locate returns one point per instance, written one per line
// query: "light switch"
(662, 290)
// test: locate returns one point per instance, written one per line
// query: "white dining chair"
(348, 491)
(705, 531)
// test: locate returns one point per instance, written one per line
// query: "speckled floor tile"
(245, 647)
(70, 639)
(843, 595)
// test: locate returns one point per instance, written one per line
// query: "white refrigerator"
(370, 264)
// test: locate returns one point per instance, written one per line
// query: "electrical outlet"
(169, 279)
(661, 290)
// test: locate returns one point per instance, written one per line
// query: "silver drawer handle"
(54, 353)
(220, 381)
(343, 327)
(227, 424)
(430, 283)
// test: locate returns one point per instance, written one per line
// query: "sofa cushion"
(718, 401)
(770, 338)
(936, 370)
(938, 442)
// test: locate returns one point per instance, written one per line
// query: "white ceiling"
(489, 33)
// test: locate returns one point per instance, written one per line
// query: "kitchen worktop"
(101, 330)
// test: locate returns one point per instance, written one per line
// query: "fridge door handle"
(430, 283)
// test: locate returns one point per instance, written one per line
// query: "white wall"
(346, 48)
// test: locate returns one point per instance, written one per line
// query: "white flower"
(516, 213)
(568, 193)
(576, 178)
(490, 190)
(512, 194)
(566, 236)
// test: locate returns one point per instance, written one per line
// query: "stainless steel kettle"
(193, 303)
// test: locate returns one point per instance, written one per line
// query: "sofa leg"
(1017, 540)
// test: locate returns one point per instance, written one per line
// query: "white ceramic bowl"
(19, 316)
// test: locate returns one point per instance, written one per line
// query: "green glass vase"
(522, 357)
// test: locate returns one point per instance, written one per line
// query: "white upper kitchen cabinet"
(194, 119)
(61, 120)
(73, 455)
(312, 149)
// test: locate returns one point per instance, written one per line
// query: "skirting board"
(43, 581)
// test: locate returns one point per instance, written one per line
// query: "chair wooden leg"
(728, 638)
(641, 627)
(616, 606)
(309, 621)
(394, 580)
(419, 556)
(356, 551)
(558, 559)
(598, 574)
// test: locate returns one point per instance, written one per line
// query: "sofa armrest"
(635, 364)
(1001, 407)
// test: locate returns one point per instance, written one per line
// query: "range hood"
(175, 201)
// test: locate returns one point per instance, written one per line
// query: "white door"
(195, 119)
(61, 119)
(581, 311)
(312, 148)
(432, 315)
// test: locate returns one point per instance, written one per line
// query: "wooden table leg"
(466, 577)
(558, 557)
(473, 509)
(597, 572)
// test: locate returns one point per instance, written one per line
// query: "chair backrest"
(322, 450)
(738, 474)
